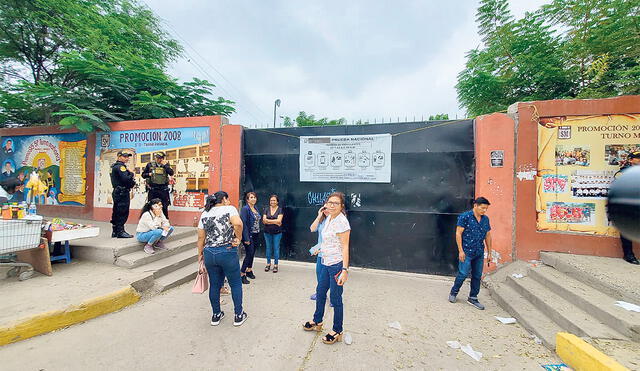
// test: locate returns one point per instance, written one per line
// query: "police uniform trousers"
(161, 192)
(120, 212)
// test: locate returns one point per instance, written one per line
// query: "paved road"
(171, 331)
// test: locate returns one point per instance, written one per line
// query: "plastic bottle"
(32, 209)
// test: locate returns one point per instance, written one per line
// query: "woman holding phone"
(250, 233)
(334, 268)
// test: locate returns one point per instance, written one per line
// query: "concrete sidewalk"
(171, 331)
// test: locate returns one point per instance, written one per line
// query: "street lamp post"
(276, 104)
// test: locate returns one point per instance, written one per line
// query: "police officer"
(122, 182)
(627, 246)
(157, 174)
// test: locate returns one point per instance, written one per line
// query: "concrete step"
(530, 317)
(565, 313)
(169, 264)
(592, 301)
(131, 245)
(177, 277)
(139, 257)
(612, 276)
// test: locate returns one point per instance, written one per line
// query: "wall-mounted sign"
(497, 158)
(346, 158)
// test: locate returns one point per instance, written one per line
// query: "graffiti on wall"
(51, 168)
(187, 152)
(578, 158)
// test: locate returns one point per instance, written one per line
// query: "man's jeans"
(221, 262)
(152, 236)
(473, 265)
(273, 246)
(327, 281)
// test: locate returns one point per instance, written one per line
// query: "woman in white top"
(334, 268)
(153, 227)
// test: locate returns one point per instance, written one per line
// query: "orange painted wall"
(225, 160)
(529, 242)
(495, 132)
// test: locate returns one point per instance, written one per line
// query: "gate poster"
(52, 168)
(187, 152)
(578, 159)
(346, 158)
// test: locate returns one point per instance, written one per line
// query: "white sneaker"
(239, 320)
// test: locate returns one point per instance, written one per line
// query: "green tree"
(304, 119)
(440, 116)
(569, 48)
(85, 62)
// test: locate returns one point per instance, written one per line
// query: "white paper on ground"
(470, 352)
(347, 338)
(395, 325)
(517, 275)
(505, 320)
(453, 344)
(628, 306)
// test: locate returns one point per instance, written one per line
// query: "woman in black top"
(251, 220)
(272, 220)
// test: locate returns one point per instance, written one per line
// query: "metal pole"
(276, 104)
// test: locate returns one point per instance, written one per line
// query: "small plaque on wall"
(497, 158)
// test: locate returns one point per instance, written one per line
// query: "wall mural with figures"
(186, 149)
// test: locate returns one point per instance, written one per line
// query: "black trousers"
(120, 211)
(163, 194)
(627, 248)
(250, 252)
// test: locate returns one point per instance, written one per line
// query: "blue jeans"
(273, 246)
(220, 263)
(153, 235)
(327, 281)
(470, 264)
(318, 268)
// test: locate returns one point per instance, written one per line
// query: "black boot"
(114, 232)
(122, 233)
(245, 280)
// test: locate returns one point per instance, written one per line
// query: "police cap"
(160, 154)
(635, 154)
(125, 154)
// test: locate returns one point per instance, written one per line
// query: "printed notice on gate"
(346, 158)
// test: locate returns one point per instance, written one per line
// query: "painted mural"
(187, 152)
(578, 159)
(52, 168)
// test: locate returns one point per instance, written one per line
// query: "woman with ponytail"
(219, 234)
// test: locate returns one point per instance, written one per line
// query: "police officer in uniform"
(627, 246)
(157, 174)
(122, 182)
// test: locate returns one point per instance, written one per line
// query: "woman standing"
(272, 220)
(153, 227)
(219, 232)
(334, 268)
(250, 233)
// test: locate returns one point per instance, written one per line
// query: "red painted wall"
(529, 242)
(495, 132)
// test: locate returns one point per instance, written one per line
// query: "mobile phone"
(337, 276)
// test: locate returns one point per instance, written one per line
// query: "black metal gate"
(406, 225)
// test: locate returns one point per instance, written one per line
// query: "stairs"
(565, 295)
(163, 269)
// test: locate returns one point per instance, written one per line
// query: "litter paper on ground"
(628, 306)
(347, 338)
(453, 344)
(505, 320)
(517, 275)
(395, 325)
(470, 352)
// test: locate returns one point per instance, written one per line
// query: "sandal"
(310, 326)
(266, 269)
(330, 339)
(275, 269)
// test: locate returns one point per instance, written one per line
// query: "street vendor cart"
(18, 235)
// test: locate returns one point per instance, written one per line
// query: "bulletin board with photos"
(578, 158)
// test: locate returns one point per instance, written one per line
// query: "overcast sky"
(353, 59)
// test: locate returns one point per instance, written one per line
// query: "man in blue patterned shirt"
(472, 233)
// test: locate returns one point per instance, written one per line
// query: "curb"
(57, 319)
(579, 355)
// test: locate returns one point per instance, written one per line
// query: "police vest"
(158, 175)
